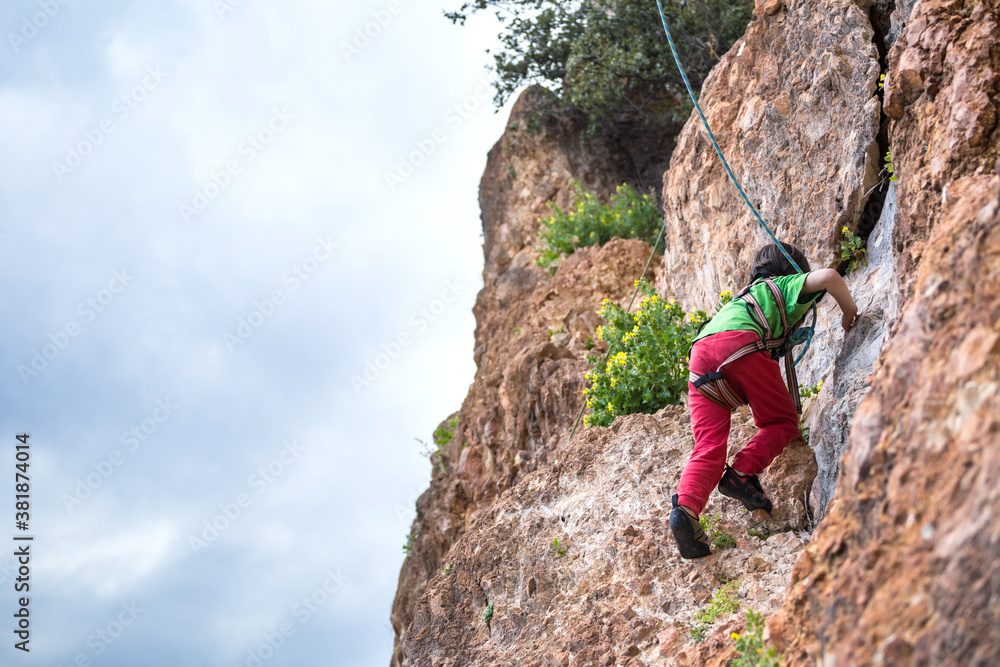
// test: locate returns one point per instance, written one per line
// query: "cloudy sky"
(239, 245)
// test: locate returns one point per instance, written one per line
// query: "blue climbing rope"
(711, 136)
(800, 336)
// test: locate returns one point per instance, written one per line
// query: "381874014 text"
(22, 542)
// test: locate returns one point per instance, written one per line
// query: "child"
(754, 379)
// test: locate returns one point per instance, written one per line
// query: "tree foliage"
(608, 57)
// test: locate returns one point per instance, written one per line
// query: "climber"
(731, 364)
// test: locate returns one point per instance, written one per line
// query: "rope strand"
(711, 136)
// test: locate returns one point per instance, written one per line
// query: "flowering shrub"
(592, 223)
(852, 250)
(648, 365)
(750, 645)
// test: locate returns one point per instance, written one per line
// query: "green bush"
(558, 548)
(724, 600)
(608, 58)
(442, 434)
(592, 223)
(408, 547)
(647, 367)
(808, 392)
(852, 250)
(750, 645)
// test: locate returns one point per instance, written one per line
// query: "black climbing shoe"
(691, 540)
(747, 490)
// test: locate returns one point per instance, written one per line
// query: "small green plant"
(708, 521)
(753, 532)
(804, 430)
(888, 165)
(720, 540)
(750, 645)
(434, 453)
(724, 601)
(646, 367)
(517, 331)
(447, 570)
(408, 547)
(592, 223)
(488, 613)
(852, 249)
(809, 392)
(589, 343)
(442, 434)
(557, 331)
(560, 550)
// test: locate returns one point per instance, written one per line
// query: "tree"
(609, 58)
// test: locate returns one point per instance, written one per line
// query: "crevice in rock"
(876, 191)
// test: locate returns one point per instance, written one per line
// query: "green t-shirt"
(734, 316)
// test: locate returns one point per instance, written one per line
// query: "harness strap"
(714, 386)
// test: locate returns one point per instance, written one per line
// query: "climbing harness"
(714, 386)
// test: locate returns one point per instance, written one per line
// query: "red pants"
(756, 378)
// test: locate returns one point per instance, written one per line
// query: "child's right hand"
(848, 319)
(830, 280)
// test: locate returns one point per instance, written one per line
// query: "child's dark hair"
(770, 262)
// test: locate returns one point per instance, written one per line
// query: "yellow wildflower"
(610, 406)
(612, 382)
(735, 635)
(844, 230)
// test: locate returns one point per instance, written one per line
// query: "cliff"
(888, 557)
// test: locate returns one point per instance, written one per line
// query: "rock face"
(795, 108)
(902, 567)
(613, 590)
(906, 429)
